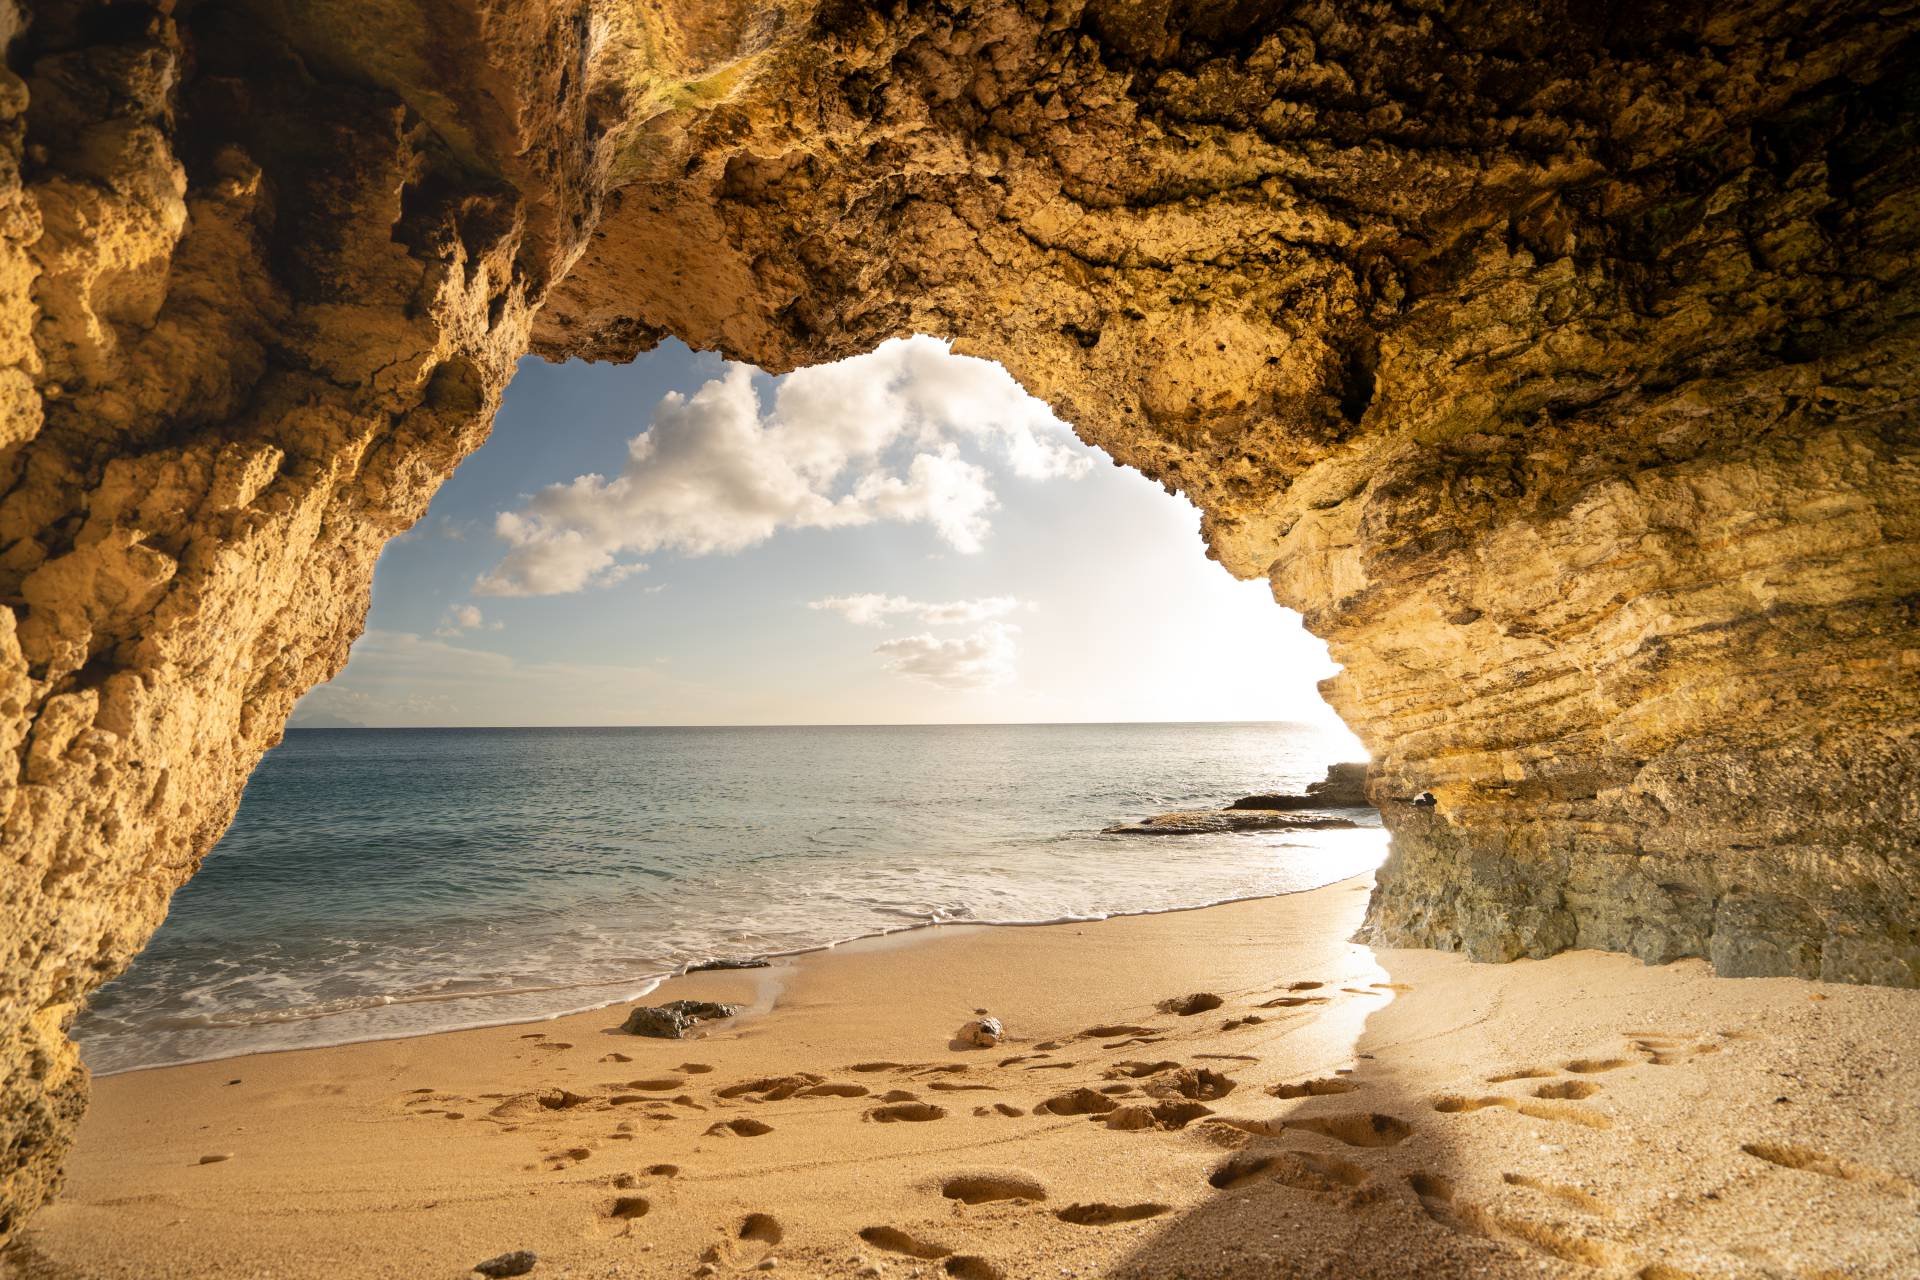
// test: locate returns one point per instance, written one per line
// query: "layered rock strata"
(1556, 362)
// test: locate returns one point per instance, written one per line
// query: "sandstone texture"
(1556, 361)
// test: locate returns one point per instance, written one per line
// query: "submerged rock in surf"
(672, 1021)
(745, 962)
(1205, 821)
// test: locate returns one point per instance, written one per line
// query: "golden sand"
(1342, 1112)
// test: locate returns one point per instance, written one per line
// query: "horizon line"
(848, 724)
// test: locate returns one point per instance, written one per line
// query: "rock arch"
(1557, 362)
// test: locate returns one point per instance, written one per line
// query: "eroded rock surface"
(1556, 362)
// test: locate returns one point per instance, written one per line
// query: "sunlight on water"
(391, 882)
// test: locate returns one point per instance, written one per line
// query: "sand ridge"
(1236, 1091)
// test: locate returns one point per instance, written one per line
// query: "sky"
(902, 537)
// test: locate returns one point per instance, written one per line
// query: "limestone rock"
(1344, 787)
(1556, 362)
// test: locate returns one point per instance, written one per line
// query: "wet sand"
(1342, 1112)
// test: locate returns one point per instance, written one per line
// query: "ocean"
(391, 882)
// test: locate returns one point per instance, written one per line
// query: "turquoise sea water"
(386, 882)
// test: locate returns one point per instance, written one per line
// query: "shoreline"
(1342, 1110)
(653, 982)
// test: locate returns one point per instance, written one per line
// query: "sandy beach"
(1341, 1111)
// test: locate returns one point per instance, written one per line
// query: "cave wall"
(1557, 363)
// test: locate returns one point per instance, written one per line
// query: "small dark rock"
(673, 1021)
(517, 1263)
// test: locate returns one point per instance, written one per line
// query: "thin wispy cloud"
(873, 609)
(978, 661)
(877, 437)
(398, 676)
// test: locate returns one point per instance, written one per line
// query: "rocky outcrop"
(1344, 787)
(1556, 362)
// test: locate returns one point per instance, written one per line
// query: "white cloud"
(978, 661)
(875, 437)
(873, 609)
(465, 617)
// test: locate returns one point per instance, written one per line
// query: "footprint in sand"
(1234, 1024)
(894, 1240)
(1301, 1170)
(1324, 1087)
(741, 1128)
(1293, 1002)
(1201, 1084)
(835, 1091)
(1076, 1102)
(1111, 1032)
(1166, 1116)
(1568, 1244)
(954, 1086)
(694, 1068)
(1668, 1051)
(1189, 1005)
(628, 1208)
(1593, 1066)
(906, 1111)
(1458, 1104)
(1100, 1214)
(748, 1245)
(1574, 1196)
(1568, 1089)
(1807, 1160)
(990, 1185)
(967, 1266)
(656, 1084)
(1357, 1128)
(1138, 1070)
(770, 1088)
(1524, 1073)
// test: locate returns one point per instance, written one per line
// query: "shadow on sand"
(1348, 1180)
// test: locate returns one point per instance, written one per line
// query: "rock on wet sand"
(672, 1021)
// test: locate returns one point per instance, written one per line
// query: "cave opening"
(655, 587)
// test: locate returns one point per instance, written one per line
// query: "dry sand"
(1386, 1113)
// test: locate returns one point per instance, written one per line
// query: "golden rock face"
(1559, 370)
